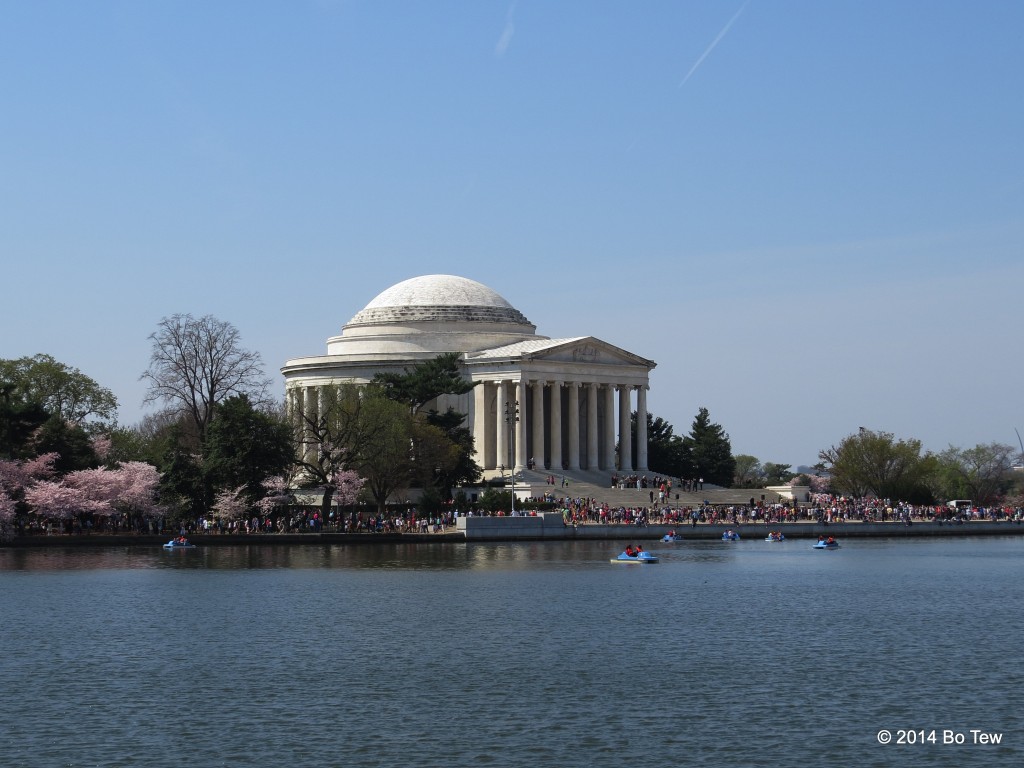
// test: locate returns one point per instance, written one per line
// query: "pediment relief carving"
(586, 353)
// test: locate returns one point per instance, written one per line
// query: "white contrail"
(714, 42)
(506, 34)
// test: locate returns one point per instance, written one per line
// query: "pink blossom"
(60, 501)
(15, 476)
(101, 446)
(230, 505)
(7, 506)
(276, 489)
(348, 485)
(137, 485)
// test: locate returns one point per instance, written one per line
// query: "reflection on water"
(542, 653)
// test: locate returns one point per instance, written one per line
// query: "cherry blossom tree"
(347, 484)
(102, 446)
(137, 484)
(15, 477)
(276, 493)
(230, 504)
(7, 507)
(129, 488)
(58, 501)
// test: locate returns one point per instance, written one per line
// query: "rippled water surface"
(744, 653)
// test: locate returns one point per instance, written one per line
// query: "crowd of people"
(821, 508)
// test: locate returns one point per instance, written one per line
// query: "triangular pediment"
(581, 350)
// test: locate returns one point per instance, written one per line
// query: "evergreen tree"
(425, 382)
(711, 450)
(667, 453)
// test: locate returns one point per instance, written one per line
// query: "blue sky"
(810, 215)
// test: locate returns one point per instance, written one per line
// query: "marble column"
(311, 414)
(625, 436)
(537, 444)
(521, 426)
(298, 423)
(480, 424)
(556, 426)
(608, 460)
(573, 424)
(641, 428)
(502, 458)
(592, 463)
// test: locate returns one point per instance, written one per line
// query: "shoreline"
(540, 528)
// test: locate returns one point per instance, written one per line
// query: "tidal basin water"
(544, 654)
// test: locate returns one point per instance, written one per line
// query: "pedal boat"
(644, 558)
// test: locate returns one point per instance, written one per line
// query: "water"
(745, 653)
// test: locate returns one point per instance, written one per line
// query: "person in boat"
(831, 540)
(639, 550)
(821, 539)
(630, 552)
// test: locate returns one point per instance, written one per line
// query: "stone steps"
(597, 486)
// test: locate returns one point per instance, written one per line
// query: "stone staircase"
(597, 485)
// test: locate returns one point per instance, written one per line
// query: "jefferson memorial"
(573, 396)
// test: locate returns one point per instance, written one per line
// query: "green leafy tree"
(465, 471)
(400, 450)
(61, 390)
(431, 502)
(244, 446)
(876, 463)
(19, 421)
(131, 444)
(494, 500)
(183, 491)
(982, 473)
(748, 473)
(422, 385)
(69, 441)
(711, 450)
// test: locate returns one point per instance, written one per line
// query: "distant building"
(575, 395)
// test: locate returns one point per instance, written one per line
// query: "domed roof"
(443, 298)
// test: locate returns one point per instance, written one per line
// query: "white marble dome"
(426, 315)
(438, 298)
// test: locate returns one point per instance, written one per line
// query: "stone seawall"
(550, 526)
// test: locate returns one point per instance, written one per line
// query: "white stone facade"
(573, 396)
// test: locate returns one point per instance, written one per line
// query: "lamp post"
(511, 417)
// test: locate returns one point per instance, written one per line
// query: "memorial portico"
(562, 403)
